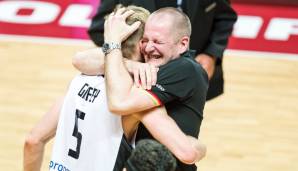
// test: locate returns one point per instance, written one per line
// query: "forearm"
(165, 130)
(33, 156)
(89, 62)
(39, 136)
(118, 81)
(34, 146)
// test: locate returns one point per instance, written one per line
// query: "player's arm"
(163, 128)
(123, 96)
(89, 62)
(39, 136)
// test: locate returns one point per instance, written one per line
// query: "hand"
(207, 62)
(116, 29)
(200, 148)
(144, 74)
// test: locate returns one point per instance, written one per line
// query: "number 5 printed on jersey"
(76, 153)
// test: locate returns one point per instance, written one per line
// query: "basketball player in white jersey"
(88, 135)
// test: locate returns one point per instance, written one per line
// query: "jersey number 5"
(76, 153)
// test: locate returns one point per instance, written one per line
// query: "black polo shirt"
(182, 86)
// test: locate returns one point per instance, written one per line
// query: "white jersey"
(88, 135)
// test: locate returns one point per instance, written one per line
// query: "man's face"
(158, 45)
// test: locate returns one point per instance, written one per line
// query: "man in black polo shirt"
(182, 83)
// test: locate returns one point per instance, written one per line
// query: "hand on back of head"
(116, 28)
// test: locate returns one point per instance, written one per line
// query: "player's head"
(150, 155)
(130, 47)
(166, 36)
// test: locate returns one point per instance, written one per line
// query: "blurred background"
(251, 127)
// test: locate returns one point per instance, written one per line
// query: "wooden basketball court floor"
(252, 127)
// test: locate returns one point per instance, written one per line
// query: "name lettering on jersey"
(88, 93)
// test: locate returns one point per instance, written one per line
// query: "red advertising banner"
(62, 19)
(259, 27)
(265, 28)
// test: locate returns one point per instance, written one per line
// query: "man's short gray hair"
(181, 22)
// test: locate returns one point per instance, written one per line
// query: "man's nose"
(149, 47)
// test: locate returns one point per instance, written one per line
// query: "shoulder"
(184, 64)
(183, 70)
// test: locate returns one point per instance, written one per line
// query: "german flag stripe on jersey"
(153, 97)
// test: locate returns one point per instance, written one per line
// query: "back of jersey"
(88, 136)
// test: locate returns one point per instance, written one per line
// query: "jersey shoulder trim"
(153, 97)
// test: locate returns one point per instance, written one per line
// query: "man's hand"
(116, 29)
(145, 75)
(207, 62)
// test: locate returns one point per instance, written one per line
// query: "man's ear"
(184, 44)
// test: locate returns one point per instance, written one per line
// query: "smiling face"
(163, 39)
(158, 45)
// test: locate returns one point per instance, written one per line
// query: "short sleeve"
(174, 81)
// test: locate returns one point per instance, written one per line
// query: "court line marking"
(88, 43)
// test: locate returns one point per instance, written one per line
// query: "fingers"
(123, 30)
(112, 13)
(131, 29)
(145, 75)
(127, 13)
(154, 71)
(136, 77)
(140, 75)
(148, 77)
(143, 78)
(135, 26)
(119, 11)
(151, 76)
(122, 12)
